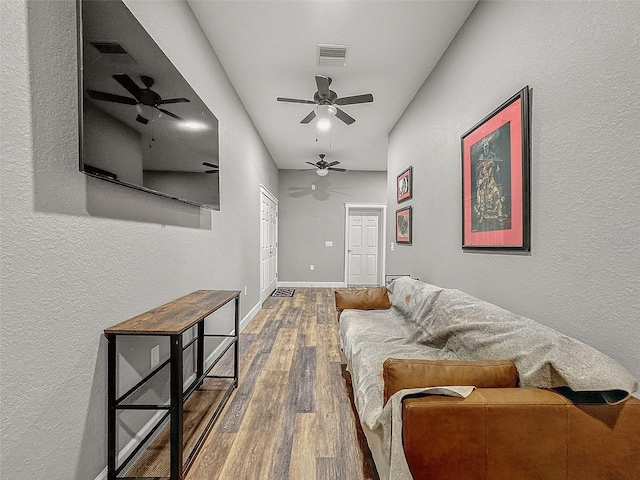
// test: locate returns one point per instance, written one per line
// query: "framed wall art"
(496, 179)
(405, 185)
(404, 225)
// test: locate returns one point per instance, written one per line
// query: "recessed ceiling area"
(270, 49)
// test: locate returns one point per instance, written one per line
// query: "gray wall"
(308, 218)
(582, 60)
(79, 254)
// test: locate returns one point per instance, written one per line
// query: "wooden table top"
(177, 316)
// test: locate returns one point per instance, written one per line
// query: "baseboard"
(312, 284)
(134, 442)
(249, 316)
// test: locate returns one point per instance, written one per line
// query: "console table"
(171, 320)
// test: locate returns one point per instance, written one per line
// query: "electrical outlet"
(245, 289)
(155, 356)
(312, 267)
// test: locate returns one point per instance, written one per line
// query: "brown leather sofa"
(500, 431)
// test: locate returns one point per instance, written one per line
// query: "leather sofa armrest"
(414, 373)
(523, 433)
(373, 298)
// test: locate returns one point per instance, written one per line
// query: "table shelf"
(172, 320)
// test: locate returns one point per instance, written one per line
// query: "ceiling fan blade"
(170, 114)
(295, 100)
(142, 120)
(315, 165)
(309, 117)
(323, 85)
(173, 100)
(207, 164)
(342, 115)
(335, 169)
(366, 98)
(307, 169)
(335, 162)
(212, 171)
(130, 85)
(110, 97)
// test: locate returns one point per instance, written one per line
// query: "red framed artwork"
(404, 185)
(404, 225)
(496, 179)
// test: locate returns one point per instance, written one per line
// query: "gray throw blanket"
(473, 329)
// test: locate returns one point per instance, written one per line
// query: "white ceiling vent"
(332, 55)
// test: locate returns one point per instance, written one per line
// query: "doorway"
(268, 243)
(364, 244)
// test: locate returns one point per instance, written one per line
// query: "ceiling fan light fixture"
(325, 112)
(147, 111)
(193, 125)
(322, 172)
(323, 124)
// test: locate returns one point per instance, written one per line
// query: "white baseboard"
(134, 442)
(312, 284)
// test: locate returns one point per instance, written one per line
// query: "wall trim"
(134, 442)
(312, 284)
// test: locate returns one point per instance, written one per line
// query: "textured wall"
(582, 61)
(308, 218)
(79, 255)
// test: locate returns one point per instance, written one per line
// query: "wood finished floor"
(292, 416)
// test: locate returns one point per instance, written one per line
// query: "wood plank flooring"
(292, 416)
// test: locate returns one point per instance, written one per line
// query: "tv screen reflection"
(143, 126)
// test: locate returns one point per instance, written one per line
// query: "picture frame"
(404, 185)
(404, 225)
(496, 163)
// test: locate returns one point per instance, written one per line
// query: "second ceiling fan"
(329, 100)
(322, 167)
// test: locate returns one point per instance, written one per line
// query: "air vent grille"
(112, 52)
(332, 55)
(109, 48)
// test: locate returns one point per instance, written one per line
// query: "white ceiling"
(269, 50)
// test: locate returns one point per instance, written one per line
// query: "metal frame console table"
(172, 320)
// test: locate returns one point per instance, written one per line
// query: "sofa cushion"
(367, 339)
(373, 298)
(415, 373)
(497, 434)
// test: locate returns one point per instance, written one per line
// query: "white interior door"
(363, 247)
(268, 243)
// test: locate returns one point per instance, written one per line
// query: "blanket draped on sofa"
(429, 322)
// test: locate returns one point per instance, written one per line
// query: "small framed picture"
(404, 225)
(405, 185)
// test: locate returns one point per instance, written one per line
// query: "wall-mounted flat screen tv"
(142, 125)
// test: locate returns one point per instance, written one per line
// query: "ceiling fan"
(214, 168)
(322, 167)
(142, 96)
(329, 101)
